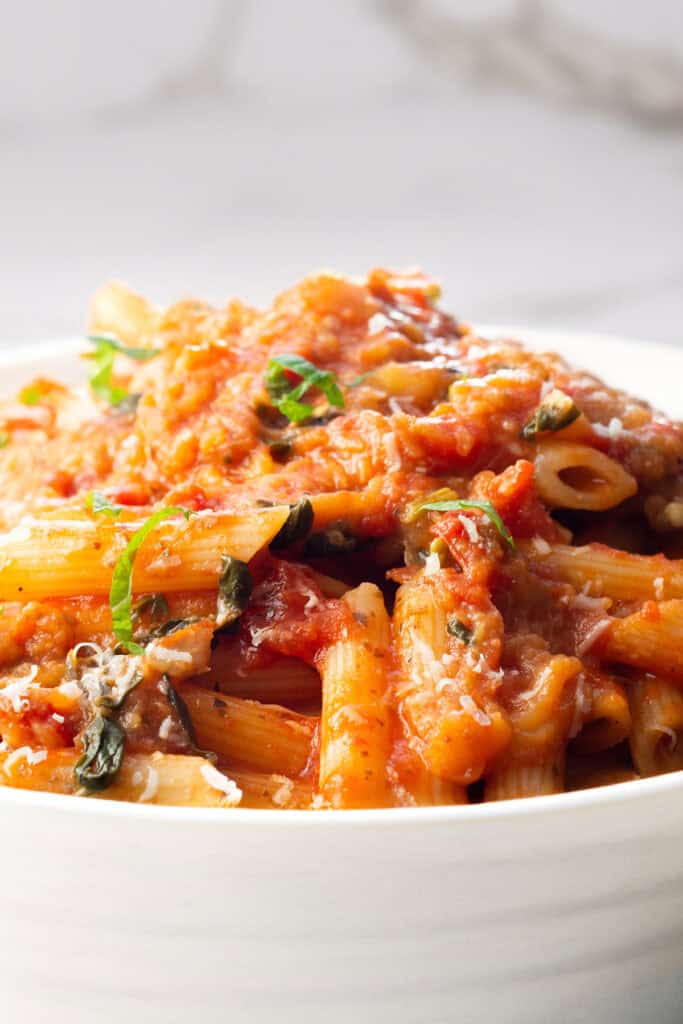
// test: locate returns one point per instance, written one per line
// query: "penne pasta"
(520, 779)
(650, 639)
(165, 779)
(455, 729)
(265, 737)
(64, 557)
(355, 722)
(608, 722)
(576, 476)
(598, 569)
(656, 739)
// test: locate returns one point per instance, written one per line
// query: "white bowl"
(565, 908)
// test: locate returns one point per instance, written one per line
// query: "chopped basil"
(4, 439)
(170, 626)
(234, 590)
(462, 504)
(458, 629)
(155, 603)
(555, 412)
(106, 350)
(296, 527)
(357, 381)
(103, 743)
(98, 502)
(121, 591)
(281, 449)
(30, 395)
(285, 394)
(334, 541)
(128, 405)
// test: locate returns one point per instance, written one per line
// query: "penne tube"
(166, 779)
(265, 737)
(572, 475)
(455, 726)
(64, 557)
(520, 779)
(656, 738)
(608, 722)
(650, 639)
(284, 681)
(355, 719)
(602, 570)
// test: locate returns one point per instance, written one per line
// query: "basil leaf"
(98, 502)
(286, 396)
(156, 603)
(234, 590)
(103, 743)
(30, 395)
(4, 439)
(458, 629)
(105, 353)
(121, 591)
(106, 341)
(334, 541)
(462, 504)
(297, 525)
(555, 412)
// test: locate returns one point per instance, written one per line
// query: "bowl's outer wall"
(575, 915)
(567, 910)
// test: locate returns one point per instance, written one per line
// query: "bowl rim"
(558, 803)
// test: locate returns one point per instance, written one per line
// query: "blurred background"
(527, 152)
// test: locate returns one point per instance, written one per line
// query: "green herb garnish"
(4, 439)
(336, 540)
(554, 413)
(30, 395)
(106, 350)
(156, 604)
(234, 589)
(458, 629)
(297, 525)
(97, 502)
(286, 394)
(121, 591)
(103, 743)
(463, 504)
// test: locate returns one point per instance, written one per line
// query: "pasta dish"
(341, 553)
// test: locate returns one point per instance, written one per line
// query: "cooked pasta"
(343, 553)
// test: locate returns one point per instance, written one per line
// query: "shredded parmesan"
(541, 546)
(283, 794)
(222, 783)
(473, 710)
(165, 728)
(24, 753)
(593, 634)
(151, 787)
(17, 690)
(470, 529)
(658, 585)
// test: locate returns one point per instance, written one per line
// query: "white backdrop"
(528, 153)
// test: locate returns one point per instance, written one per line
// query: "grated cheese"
(222, 783)
(283, 794)
(151, 787)
(165, 728)
(541, 546)
(470, 529)
(658, 585)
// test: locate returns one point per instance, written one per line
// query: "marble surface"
(529, 154)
